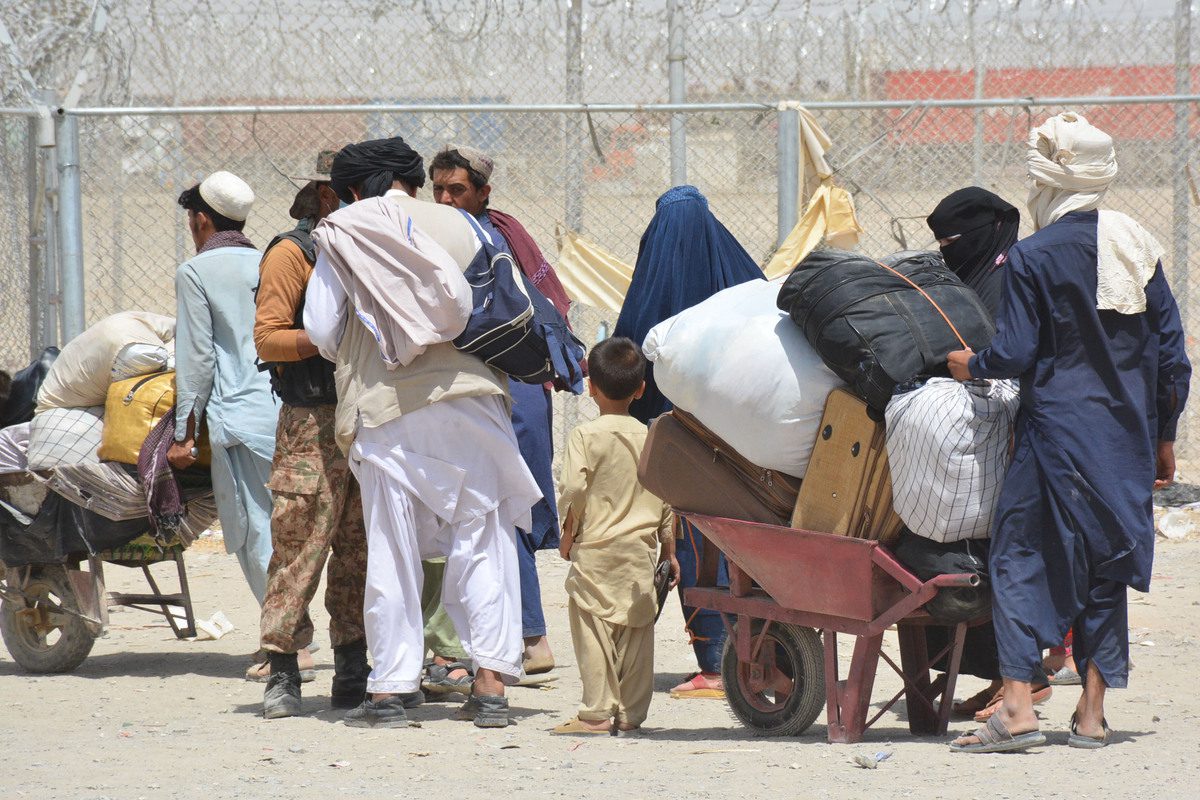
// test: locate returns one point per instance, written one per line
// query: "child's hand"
(674, 569)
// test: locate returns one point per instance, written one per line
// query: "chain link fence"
(868, 69)
(897, 161)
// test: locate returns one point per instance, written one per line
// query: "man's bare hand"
(959, 364)
(179, 455)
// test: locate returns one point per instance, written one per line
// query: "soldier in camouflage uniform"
(318, 511)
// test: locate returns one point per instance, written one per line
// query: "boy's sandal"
(1088, 742)
(575, 727)
(1038, 696)
(696, 687)
(995, 738)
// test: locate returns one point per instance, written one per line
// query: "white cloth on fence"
(948, 447)
(59, 436)
(744, 369)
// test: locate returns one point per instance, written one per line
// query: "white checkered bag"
(948, 447)
(60, 436)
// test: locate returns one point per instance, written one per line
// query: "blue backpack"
(513, 327)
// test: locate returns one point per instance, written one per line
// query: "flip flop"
(1038, 697)
(995, 738)
(977, 702)
(1065, 677)
(574, 727)
(1088, 742)
(691, 690)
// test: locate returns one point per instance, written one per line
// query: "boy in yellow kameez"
(612, 535)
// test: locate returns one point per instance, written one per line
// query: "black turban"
(373, 166)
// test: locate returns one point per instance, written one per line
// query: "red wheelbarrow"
(791, 592)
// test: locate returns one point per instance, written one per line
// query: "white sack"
(61, 436)
(948, 447)
(136, 360)
(82, 372)
(742, 367)
(14, 449)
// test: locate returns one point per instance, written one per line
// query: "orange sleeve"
(283, 274)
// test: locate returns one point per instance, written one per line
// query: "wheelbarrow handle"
(956, 580)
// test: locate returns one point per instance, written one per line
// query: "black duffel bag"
(22, 398)
(877, 324)
(927, 559)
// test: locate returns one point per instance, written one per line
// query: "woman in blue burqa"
(685, 257)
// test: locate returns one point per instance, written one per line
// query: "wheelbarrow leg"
(185, 592)
(919, 699)
(849, 700)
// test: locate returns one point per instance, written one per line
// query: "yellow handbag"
(133, 408)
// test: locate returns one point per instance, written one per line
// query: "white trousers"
(424, 478)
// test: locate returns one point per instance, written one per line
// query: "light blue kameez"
(217, 380)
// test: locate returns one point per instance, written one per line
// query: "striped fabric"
(948, 448)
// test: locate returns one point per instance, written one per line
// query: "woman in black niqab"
(974, 229)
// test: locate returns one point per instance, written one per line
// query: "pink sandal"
(701, 685)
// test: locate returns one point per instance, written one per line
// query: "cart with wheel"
(791, 594)
(51, 608)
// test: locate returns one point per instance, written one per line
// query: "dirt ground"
(147, 716)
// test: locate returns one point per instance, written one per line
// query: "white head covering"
(1071, 163)
(228, 195)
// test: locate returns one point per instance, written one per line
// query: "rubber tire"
(74, 642)
(798, 647)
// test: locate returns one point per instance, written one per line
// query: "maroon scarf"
(226, 239)
(533, 263)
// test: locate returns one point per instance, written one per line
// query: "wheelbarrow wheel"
(782, 690)
(40, 634)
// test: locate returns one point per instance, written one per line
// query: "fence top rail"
(601, 108)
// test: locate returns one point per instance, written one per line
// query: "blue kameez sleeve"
(195, 353)
(1174, 368)
(1013, 350)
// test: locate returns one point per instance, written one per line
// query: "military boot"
(350, 671)
(282, 695)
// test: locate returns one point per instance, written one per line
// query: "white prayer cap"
(228, 195)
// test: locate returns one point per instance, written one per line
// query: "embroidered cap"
(480, 161)
(228, 195)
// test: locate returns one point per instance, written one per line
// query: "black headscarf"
(373, 166)
(986, 227)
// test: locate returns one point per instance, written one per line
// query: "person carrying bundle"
(1089, 325)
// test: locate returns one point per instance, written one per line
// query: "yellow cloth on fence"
(829, 216)
(590, 274)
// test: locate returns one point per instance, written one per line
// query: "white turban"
(1071, 162)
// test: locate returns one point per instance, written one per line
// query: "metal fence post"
(788, 191)
(70, 226)
(677, 86)
(1180, 195)
(574, 122)
(36, 241)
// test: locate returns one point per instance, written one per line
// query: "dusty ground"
(147, 716)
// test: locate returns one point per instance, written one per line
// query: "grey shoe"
(386, 713)
(486, 711)
(438, 680)
(282, 696)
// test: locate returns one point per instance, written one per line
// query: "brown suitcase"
(692, 469)
(848, 486)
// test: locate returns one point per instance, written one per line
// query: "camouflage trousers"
(317, 515)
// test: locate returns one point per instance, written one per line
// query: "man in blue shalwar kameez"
(1089, 325)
